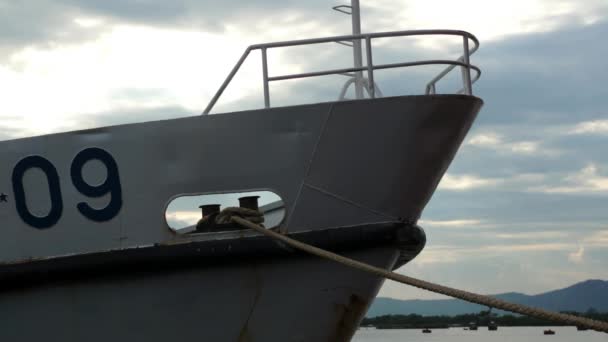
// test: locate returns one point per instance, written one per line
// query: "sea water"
(519, 334)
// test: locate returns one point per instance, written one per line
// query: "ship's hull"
(300, 299)
(205, 290)
(336, 166)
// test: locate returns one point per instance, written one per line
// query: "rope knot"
(226, 215)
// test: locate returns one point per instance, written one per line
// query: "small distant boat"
(579, 328)
(549, 332)
(426, 331)
(472, 326)
(492, 326)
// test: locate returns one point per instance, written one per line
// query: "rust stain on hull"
(244, 335)
(349, 317)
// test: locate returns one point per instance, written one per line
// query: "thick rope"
(425, 285)
(209, 223)
(250, 215)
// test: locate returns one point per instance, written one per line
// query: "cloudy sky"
(523, 206)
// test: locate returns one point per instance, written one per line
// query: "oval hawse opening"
(209, 213)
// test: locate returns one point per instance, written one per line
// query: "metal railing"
(463, 62)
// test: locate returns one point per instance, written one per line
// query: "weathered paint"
(333, 164)
(350, 316)
(364, 161)
(262, 300)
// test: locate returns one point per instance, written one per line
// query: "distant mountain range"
(579, 297)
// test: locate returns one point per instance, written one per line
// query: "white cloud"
(88, 22)
(487, 19)
(530, 247)
(439, 254)
(466, 182)
(454, 253)
(578, 256)
(467, 223)
(587, 180)
(527, 267)
(127, 67)
(532, 236)
(597, 239)
(181, 219)
(184, 67)
(528, 178)
(497, 142)
(485, 140)
(591, 127)
(524, 147)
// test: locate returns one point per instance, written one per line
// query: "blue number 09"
(111, 185)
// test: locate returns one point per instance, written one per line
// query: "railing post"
(466, 71)
(265, 75)
(226, 82)
(370, 67)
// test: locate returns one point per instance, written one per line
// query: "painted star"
(3, 197)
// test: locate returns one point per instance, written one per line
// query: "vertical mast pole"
(357, 52)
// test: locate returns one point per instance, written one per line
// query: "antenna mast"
(357, 53)
(357, 78)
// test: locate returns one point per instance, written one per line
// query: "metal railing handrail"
(463, 61)
(453, 64)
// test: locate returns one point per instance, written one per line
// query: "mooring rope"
(445, 290)
(251, 215)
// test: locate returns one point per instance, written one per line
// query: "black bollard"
(209, 209)
(249, 202)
